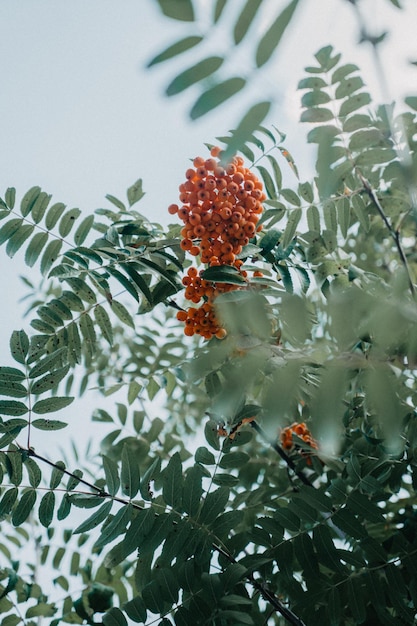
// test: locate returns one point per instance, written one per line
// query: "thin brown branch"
(284, 456)
(395, 234)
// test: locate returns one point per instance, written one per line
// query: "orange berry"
(172, 209)
(221, 334)
(186, 244)
(181, 316)
(194, 250)
(215, 151)
(189, 331)
(210, 164)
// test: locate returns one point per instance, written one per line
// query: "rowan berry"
(172, 209)
(186, 244)
(215, 151)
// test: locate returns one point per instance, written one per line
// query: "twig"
(304, 479)
(394, 233)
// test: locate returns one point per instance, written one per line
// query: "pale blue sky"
(81, 117)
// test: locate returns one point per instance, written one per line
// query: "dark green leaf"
(67, 221)
(194, 74)
(122, 313)
(216, 95)
(111, 474)
(177, 48)
(114, 616)
(245, 19)
(268, 182)
(294, 218)
(28, 200)
(46, 508)
(353, 103)
(135, 192)
(130, 473)
(50, 381)
(8, 500)
(326, 550)
(44, 424)
(12, 407)
(115, 527)
(104, 323)
(50, 405)
(316, 115)
(223, 274)
(177, 9)
(204, 456)
(218, 10)
(95, 519)
(24, 507)
(314, 98)
(214, 505)
(273, 35)
(192, 490)
(17, 240)
(245, 129)
(12, 389)
(19, 345)
(172, 482)
(411, 101)
(50, 255)
(57, 474)
(136, 609)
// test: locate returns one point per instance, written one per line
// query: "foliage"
(262, 521)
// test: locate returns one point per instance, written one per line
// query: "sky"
(81, 116)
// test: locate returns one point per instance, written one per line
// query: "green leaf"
(44, 424)
(11, 374)
(103, 321)
(53, 215)
(177, 48)
(112, 475)
(122, 313)
(204, 456)
(287, 519)
(177, 9)
(115, 527)
(50, 381)
(39, 207)
(192, 490)
(28, 200)
(353, 103)
(374, 156)
(356, 600)
(114, 616)
(214, 504)
(348, 87)
(12, 407)
(46, 509)
(294, 218)
(24, 507)
(270, 240)
(81, 289)
(245, 20)
(312, 82)
(135, 192)
(51, 405)
(172, 482)
(95, 519)
(17, 240)
(194, 74)
(268, 182)
(10, 197)
(19, 345)
(136, 609)
(343, 215)
(41, 609)
(50, 255)
(8, 500)
(245, 129)
(326, 550)
(57, 474)
(34, 472)
(411, 101)
(273, 35)
(314, 98)
(291, 196)
(130, 473)
(67, 221)
(12, 389)
(35, 248)
(223, 274)
(316, 115)
(313, 218)
(218, 10)
(343, 71)
(140, 282)
(216, 95)
(83, 229)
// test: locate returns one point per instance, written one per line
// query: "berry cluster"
(301, 431)
(221, 207)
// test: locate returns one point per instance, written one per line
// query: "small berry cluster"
(301, 431)
(221, 207)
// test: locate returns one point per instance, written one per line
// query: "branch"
(261, 587)
(304, 479)
(394, 233)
